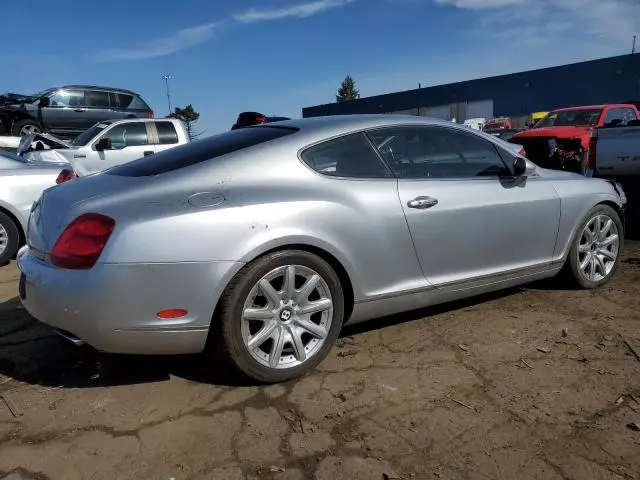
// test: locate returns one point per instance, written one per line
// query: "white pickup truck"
(615, 151)
(106, 144)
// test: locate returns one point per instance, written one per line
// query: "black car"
(247, 119)
(68, 111)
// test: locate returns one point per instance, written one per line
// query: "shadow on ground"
(30, 352)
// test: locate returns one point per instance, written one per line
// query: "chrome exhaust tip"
(70, 337)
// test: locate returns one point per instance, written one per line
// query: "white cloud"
(158, 47)
(300, 10)
(479, 4)
(613, 22)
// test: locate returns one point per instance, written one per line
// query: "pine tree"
(189, 116)
(347, 90)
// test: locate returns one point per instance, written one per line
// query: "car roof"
(594, 107)
(98, 87)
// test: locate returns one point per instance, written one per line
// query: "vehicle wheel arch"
(22, 236)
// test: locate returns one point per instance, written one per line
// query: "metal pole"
(633, 49)
(166, 81)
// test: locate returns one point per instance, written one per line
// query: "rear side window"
(137, 103)
(349, 156)
(167, 134)
(96, 98)
(200, 151)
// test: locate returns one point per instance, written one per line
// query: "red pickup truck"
(561, 140)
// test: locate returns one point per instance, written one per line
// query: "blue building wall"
(608, 80)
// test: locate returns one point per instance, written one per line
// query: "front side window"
(619, 117)
(133, 134)
(437, 152)
(67, 98)
(348, 156)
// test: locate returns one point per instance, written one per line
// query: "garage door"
(480, 109)
(443, 112)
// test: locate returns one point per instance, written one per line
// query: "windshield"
(85, 137)
(587, 117)
(41, 94)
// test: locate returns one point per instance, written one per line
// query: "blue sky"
(277, 56)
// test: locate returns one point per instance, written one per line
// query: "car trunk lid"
(59, 205)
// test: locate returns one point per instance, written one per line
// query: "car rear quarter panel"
(578, 196)
(265, 200)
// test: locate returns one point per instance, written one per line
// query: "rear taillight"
(66, 175)
(150, 114)
(591, 159)
(82, 242)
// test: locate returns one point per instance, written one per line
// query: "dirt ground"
(489, 388)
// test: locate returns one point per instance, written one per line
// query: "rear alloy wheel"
(281, 316)
(595, 253)
(9, 239)
(25, 127)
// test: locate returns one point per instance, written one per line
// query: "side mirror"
(103, 144)
(523, 168)
(44, 102)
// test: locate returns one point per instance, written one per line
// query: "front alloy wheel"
(280, 316)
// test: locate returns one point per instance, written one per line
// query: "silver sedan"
(262, 242)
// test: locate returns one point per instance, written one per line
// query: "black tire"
(20, 124)
(572, 267)
(226, 327)
(12, 238)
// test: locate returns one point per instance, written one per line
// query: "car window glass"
(619, 117)
(166, 133)
(136, 103)
(127, 135)
(436, 152)
(96, 98)
(124, 100)
(348, 156)
(67, 98)
(113, 100)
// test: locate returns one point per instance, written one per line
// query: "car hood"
(12, 98)
(556, 132)
(50, 140)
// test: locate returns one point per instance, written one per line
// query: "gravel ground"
(482, 389)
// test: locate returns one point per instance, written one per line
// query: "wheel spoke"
(270, 292)
(312, 328)
(257, 314)
(585, 262)
(276, 350)
(609, 240)
(583, 248)
(289, 287)
(262, 336)
(315, 307)
(597, 226)
(589, 234)
(298, 346)
(603, 231)
(592, 267)
(309, 286)
(606, 253)
(600, 262)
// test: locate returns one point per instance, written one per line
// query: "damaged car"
(561, 139)
(68, 111)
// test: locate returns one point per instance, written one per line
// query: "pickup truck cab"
(107, 144)
(561, 139)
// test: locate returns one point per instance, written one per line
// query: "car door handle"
(422, 203)
(147, 153)
(79, 110)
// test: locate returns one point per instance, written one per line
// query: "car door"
(63, 115)
(469, 219)
(129, 141)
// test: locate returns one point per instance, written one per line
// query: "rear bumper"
(113, 307)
